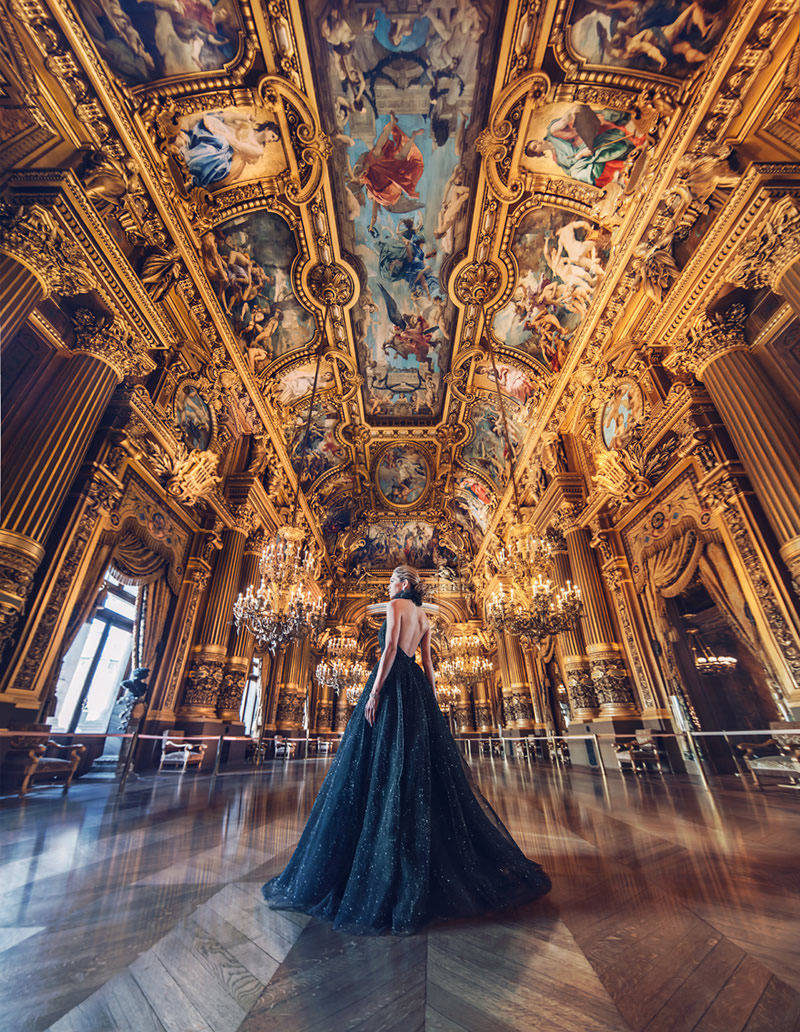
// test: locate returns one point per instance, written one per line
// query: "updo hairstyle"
(407, 573)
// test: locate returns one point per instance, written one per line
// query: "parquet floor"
(672, 909)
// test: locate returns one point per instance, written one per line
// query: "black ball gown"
(399, 836)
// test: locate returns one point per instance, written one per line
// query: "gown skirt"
(399, 835)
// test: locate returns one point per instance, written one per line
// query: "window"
(97, 661)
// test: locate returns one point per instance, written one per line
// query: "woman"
(398, 835)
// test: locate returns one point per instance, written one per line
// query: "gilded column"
(207, 665)
(241, 644)
(463, 713)
(292, 687)
(323, 718)
(572, 649)
(515, 686)
(606, 661)
(762, 427)
(483, 707)
(39, 465)
(36, 261)
(771, 256)
(176, 653)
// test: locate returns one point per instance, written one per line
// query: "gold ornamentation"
(766, 255)
(478, 283)
(31, 236)
(189, 476)
(710, 337)
(330, 284)
(111, 342)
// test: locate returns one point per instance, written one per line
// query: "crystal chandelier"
(532, 607)
(446, 693)
(283, 608)
(465, 663)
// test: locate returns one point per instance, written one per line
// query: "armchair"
(38, 764)
(779, 756)
(177, 753)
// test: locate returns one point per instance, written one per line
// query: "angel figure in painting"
(658, 42)
(391, 170)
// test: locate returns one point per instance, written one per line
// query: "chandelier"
(338, 672)
(465, 663)
(284, 608)
(533, 608)
(446, 693)
(708, 663)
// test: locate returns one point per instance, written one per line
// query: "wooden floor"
(672, 909)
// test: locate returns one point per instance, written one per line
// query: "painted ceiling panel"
(144, 42)
(400, 91)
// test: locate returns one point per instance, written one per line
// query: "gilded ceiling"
(457, 225)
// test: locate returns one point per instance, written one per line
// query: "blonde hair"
(407, 573)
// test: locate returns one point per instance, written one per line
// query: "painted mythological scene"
(472, 507)
(561, 259)
(323, 451)
(144, 40)
(402, 90)
(590, 144)
(415, 542)
(335, 502)
(297, 382)
(487, 449)
(402, 475)
(220, 148)
(248, 262)
(655, 36)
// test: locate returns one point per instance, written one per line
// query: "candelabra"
(282, 608)
(465, 663)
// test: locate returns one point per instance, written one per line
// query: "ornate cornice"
(111, 342)
(710, 337)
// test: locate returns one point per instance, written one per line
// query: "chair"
(284, 747)
(644, 752)
(38, 764)
(640, 754)
(779, 756)
(177, 753)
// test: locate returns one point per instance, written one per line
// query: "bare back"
(413, 624)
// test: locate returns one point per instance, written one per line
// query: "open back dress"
(399, 835)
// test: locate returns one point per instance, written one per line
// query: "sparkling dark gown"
(399, 836)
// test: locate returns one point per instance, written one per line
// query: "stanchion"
(698, 754)
(128, 760)
(217, 758)
(599, 755)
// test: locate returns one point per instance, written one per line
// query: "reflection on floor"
(672, 909)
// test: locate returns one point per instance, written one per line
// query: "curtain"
(134, 562)
(720, 581)
(152, 610)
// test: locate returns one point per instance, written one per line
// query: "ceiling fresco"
(423, 207)
(401, 92)
(157, 39)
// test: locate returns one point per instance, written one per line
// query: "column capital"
(31, 236)
(768, 252)
(711, 336)
(111, 342)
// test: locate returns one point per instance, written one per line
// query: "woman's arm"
(387, 659)
(427, 660)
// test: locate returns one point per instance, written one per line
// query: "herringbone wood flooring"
(671, 910)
